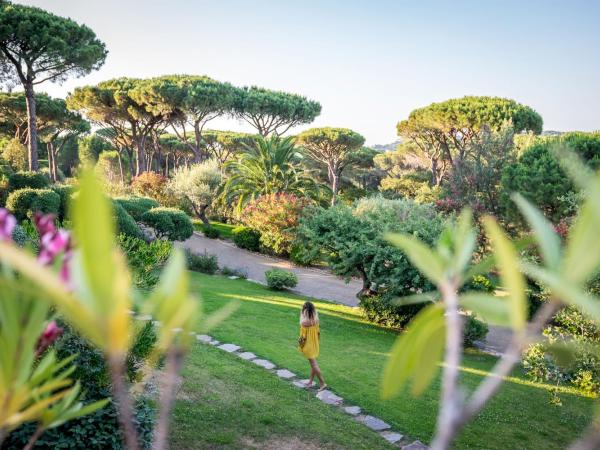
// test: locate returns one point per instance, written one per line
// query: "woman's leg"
(315, 368)
(312, 373)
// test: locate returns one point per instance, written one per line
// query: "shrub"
(150, 184)
(205, 263)
(137, 206)
(15, 154)
(19, 236)
(210, 232)
(64, 192)
(474, 330)
(247, 238)
(383, 311)
(278, 279)
(125, 223)
(275, 217)
(231, 272)
(24, 202)
(301, 256)
(145, 259)
(170, 223)
(22, 180)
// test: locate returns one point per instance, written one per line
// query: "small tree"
(39, 46)
(197, 185)
(15, 154)
(332, 147)
(273, 112)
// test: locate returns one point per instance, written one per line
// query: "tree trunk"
(140, 157)
(54, 169)
(49, 151)
(366, 283)
(201, 212)
(120, 167)
(434, 172)
(334, 178)
(31, 128)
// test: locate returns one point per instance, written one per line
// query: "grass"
(352, 357)
(225, 229)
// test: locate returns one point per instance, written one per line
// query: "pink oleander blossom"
(53, 243)
(7, 225)
(50, 334)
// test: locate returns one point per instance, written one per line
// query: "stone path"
(327, 396)
(316, 283)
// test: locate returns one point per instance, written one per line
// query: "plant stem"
(451, 396)
(590, 439)
(123, 402)
(38, 432)
(174, 360)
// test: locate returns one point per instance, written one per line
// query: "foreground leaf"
(420, 255)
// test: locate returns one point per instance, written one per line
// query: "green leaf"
(420, 255)
(564, 289)
(432, 296)
(465, 238)
(563, 353)
(94, 229)
(512, 279)
(582, 254)
(547, 239)
(415, 353)
(492, 309)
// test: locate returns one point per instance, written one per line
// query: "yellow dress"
(310, 349)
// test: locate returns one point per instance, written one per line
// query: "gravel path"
(316, 283)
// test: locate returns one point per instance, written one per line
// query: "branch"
(123, 402)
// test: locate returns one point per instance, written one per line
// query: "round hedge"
(245, 237)
(65, 192)
(125, 223)
(171, 223)
(137, 206)
(24, 202)
(22, 180)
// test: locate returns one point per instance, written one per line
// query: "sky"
(369, 63)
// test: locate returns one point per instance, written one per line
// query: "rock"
(229, 348)
(214, 342)
(373, 423)
(352, 410)
(391, 436)
(148, 233)
(329, 397)
(247, 355)
(204, 338)
(299, 384)
(285, 374)
(264, 363)
(233, 277)
(417, 445)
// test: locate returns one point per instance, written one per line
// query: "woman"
(308, 342)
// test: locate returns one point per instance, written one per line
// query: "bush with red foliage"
(276, 217)
(150, 184)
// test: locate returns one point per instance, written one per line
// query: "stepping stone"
(373, 423)
(352, 410)
(391, 436)
(233, 277)
(329, 398)
(204, 338)
(285, 374)
(299, 384)
(247, 355)
(176, 330)
(214, 342)
(417, 445)
(156, 323)
(229, 348)
(264, 363)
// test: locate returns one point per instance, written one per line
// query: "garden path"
(312, 282)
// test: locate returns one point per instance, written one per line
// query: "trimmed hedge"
(65, 192)
(171, 223)
(204, 262)
(22, 180)
(278, 279)
(24, 202)
(125, 223)
(245, 237)
(137, 206)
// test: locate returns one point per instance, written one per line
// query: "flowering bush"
(150, 184)
(275, 217)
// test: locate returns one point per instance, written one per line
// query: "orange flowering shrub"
(276, 217)
(150, 184)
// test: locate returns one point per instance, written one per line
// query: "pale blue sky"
(369, 63)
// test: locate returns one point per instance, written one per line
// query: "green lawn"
(352, 356)
(225, 229)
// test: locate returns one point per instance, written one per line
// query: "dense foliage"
(275, 217)
(202, 262)
(245, 237)
(137, 206)
(279, 279)
(24, 202)
(170, 223)
(125, 223)
(21, 180)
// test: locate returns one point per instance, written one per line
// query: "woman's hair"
(309, 313)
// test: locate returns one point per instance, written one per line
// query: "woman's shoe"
(322, 388)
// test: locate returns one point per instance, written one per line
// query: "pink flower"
(7, 225)
(50, 334)
(53, 244)
(44, 223)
